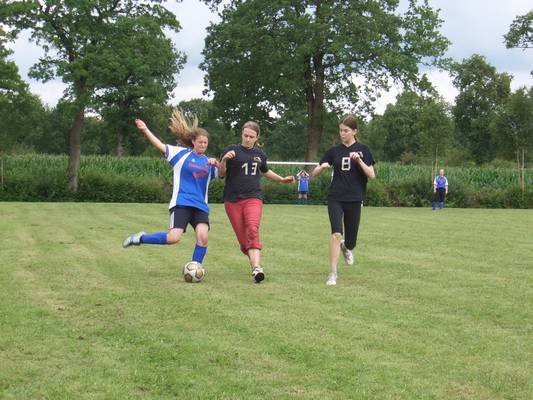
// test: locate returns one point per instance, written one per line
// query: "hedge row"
(104, 187)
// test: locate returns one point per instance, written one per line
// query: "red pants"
(245, 216)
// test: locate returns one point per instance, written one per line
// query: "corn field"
(476, 178)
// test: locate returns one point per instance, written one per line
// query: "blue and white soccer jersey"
(440, 182)
(303, 184)
(191, 177)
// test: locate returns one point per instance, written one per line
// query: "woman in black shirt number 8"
(353, 165)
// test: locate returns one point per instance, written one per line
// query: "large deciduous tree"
(81, 40)
(520, 32)
(11, 83)
(415, 127)
(144, 78)
(482, 92)
(513, 129)
(267, 57)
(20, 111)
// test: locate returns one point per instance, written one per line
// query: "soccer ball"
(193, 272)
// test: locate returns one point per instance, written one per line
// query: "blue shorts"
(181, 216)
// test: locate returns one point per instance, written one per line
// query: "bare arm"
(318, 169)
(150, 136)
(276, 178)
(368, 170)
(222, 165)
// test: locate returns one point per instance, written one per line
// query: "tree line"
(294, 66)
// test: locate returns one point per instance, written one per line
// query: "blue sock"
(199, 253)
(434, 205)
(154, 238)
(441, 204)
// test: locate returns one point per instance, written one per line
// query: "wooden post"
(434, 172)
(2, 172)
(523, 174)
(518, 166)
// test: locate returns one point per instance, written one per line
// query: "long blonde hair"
(186, 130)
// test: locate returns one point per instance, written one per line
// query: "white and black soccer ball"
(193, 272)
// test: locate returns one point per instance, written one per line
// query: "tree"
(513, 128)
(145, 78)
(482, 92)
(520, 32)
(80, 42)
(375, 135)
(268, 57)
(416, 126)
(10, 82)
(20, 111)
(436, 129)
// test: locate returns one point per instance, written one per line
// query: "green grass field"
(438, 306)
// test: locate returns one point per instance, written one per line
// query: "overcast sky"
(473, 26)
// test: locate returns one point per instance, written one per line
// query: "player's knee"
(337, 236)
(173, 237)
(202, 240)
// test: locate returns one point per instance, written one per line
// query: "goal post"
(292, 163)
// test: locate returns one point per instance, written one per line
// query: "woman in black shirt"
(243, 165)
(353, 165)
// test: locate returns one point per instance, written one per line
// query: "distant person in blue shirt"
(303, 187)
(440, 188)
(192, 173)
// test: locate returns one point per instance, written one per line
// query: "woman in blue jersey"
(353, 166)
(440, 188)
(303, 187)
(192, 173)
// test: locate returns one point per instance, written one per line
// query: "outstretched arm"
(318, 169)
(276, 178)
(150, 136)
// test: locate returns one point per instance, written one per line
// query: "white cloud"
(49, 92)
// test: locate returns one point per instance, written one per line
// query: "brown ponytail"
(186, 131)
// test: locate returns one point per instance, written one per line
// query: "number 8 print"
(345, 165)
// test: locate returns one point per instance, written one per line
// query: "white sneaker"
(332, 280)
(133, 240)
(348, 255)
(258, 274)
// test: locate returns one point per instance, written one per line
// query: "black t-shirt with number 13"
(349, 182)
(243, 173)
